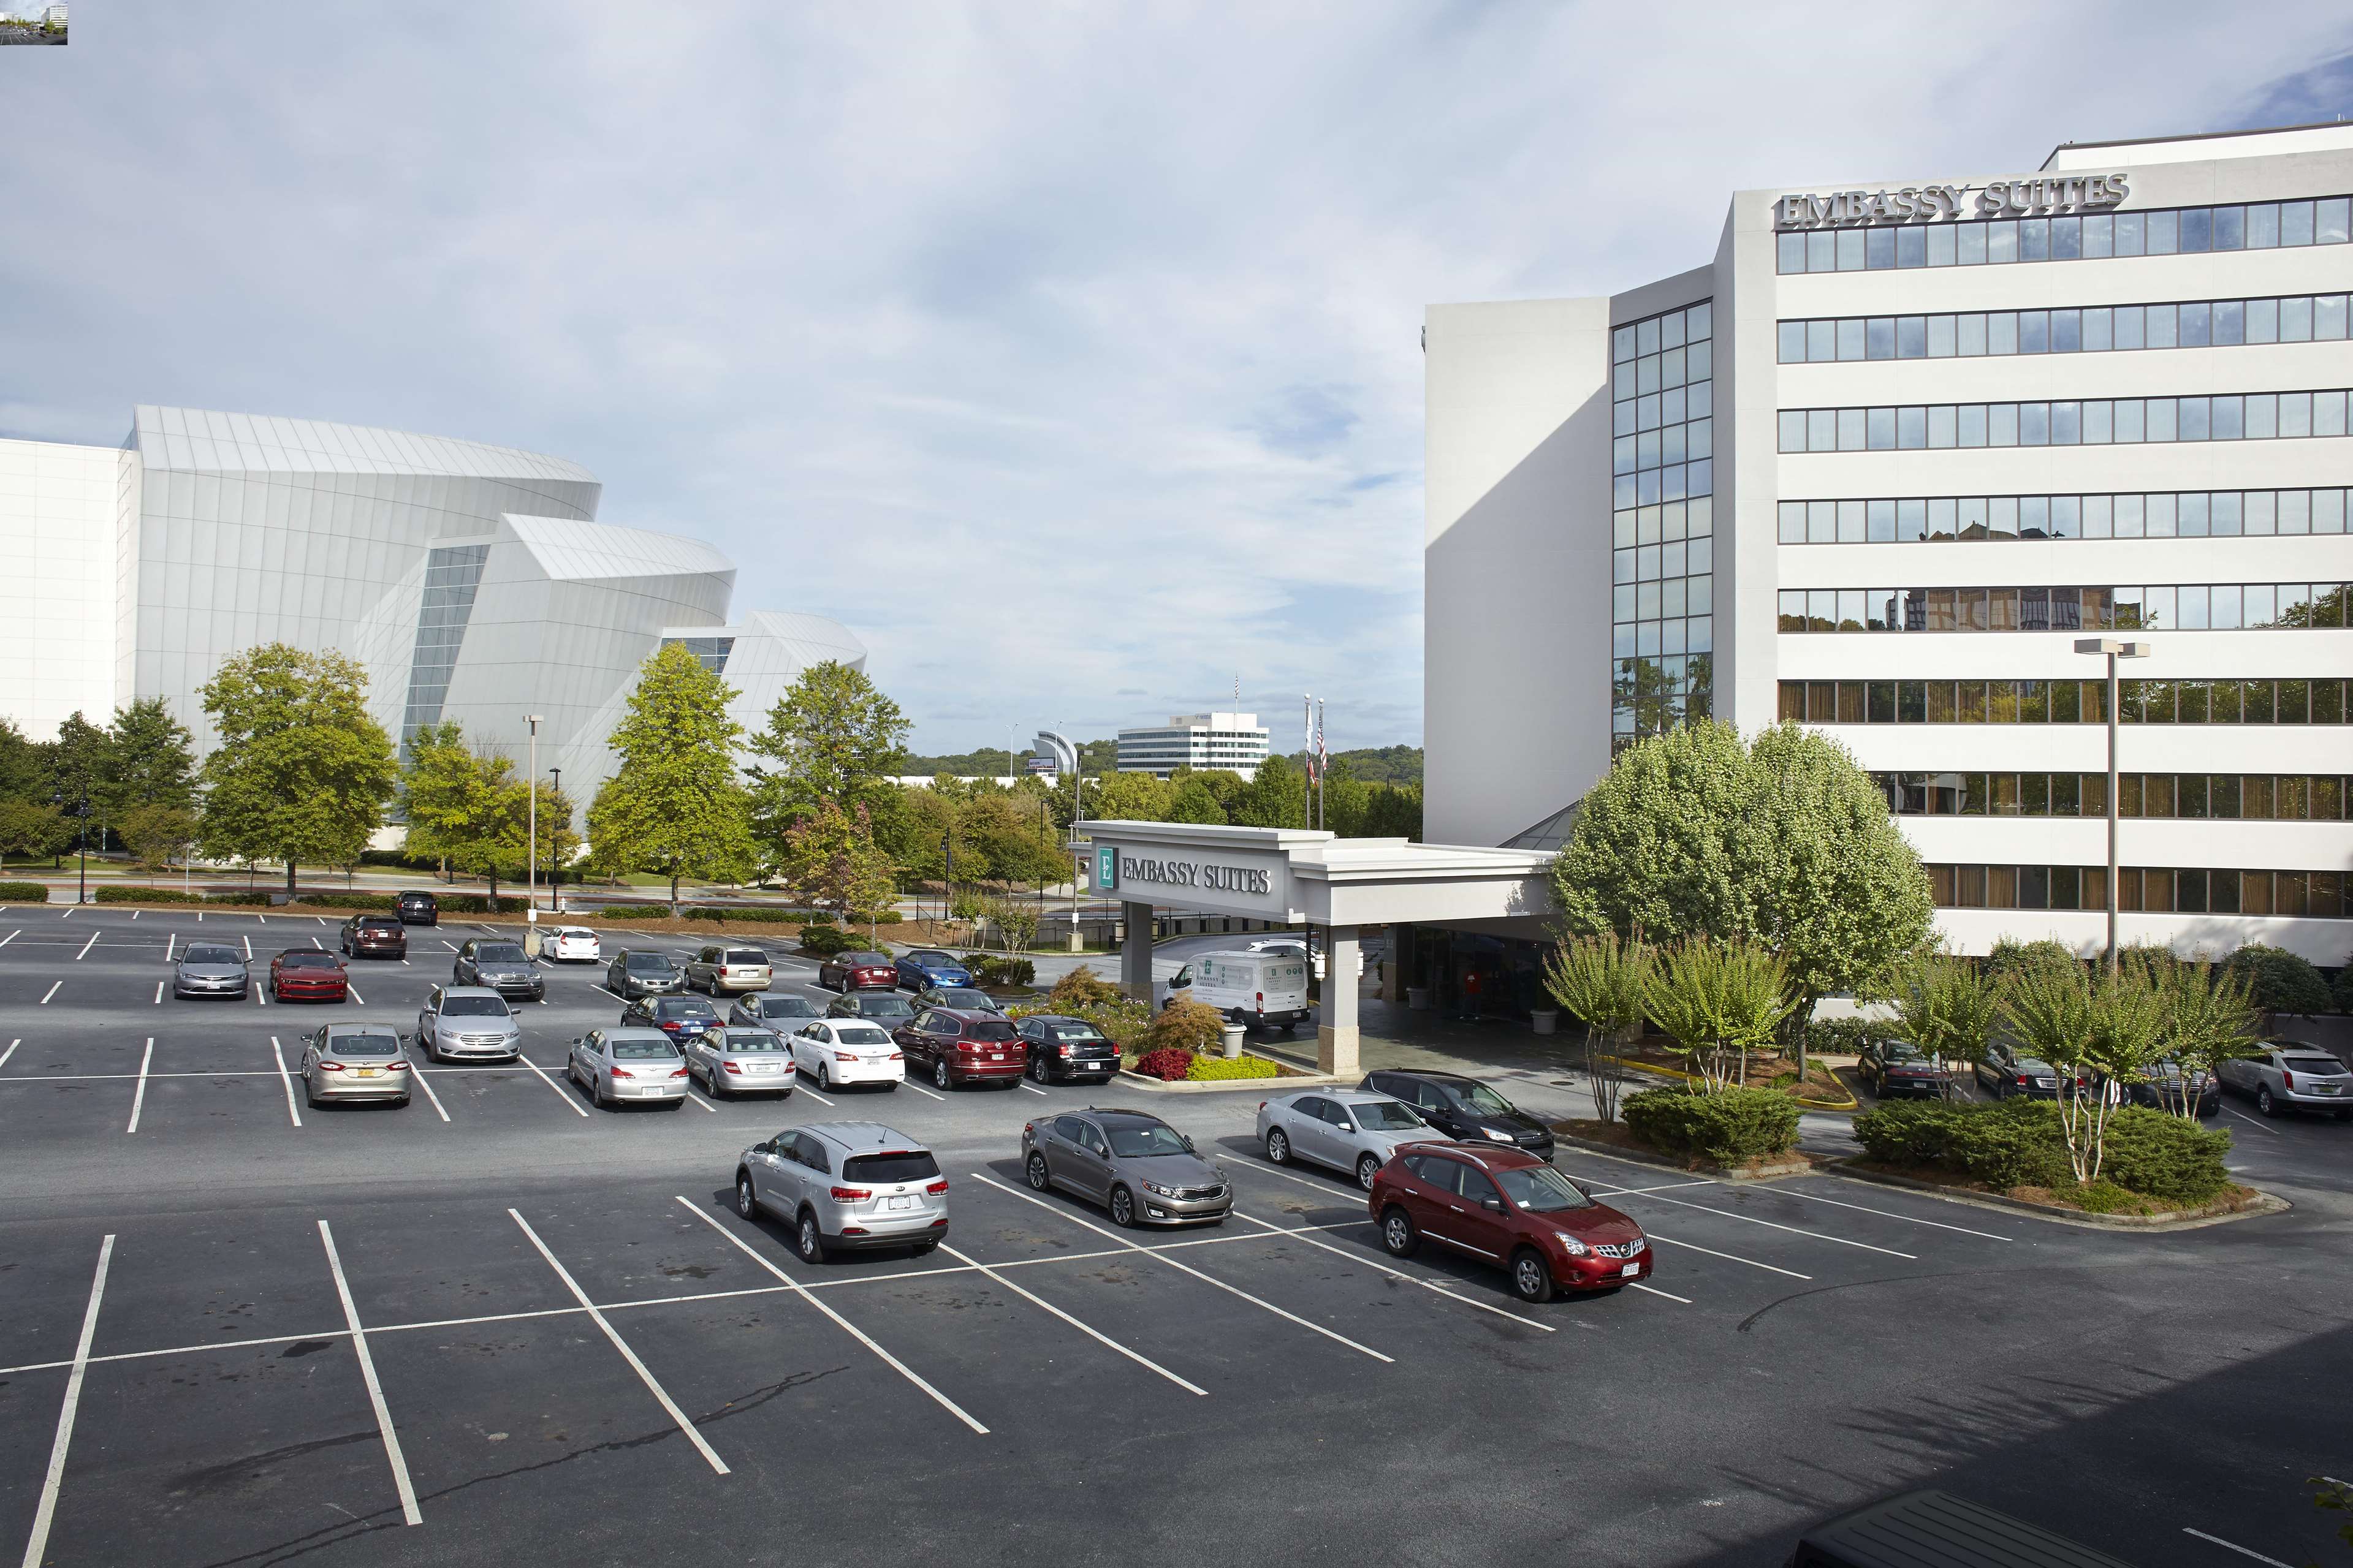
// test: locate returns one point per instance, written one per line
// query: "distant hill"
(1378, 764)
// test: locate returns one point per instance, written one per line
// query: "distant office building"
(1231, 741)
(54, 15)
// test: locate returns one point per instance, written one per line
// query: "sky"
(1068, 353)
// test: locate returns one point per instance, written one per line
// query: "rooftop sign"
(2041, 195)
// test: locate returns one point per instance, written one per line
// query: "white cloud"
(1068, 352)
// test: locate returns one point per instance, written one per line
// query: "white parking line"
(37, 1548)
(1770, 1224)
(400, 1480)
(1670, 1295)
(1183, 1268)
(814, 1095)
(700, 1101)
(1039, 1092)
(1431, 1285)
(1326, 1188)
(169, 942)
(2233, 1546)
(255, 992)
(445, 942)
(1727, 1257)
(12, 936)
(428, 1090)
(356, 993)
(50, 992)
(560, 1092)
(159, 994)
(852, 1330)
(135, 913)
(10, 1051)
(249, 948)
(138, 1095)
(286, 1079)
(1790, 1192)
(919, 1088)
(86, 947)
(600, 985)
(317, 944)
(66, 916)
(1085, 1328)
(622, 1345)
(2256, 1123)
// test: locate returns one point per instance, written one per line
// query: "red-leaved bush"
(1168, 1064)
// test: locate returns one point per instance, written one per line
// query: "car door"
(428, 1019)
(1483, 1221)
(1091, 1160)
(1309, 1130)
(914, 1039)
(1428, 1198)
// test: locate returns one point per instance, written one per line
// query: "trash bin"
(1233, 1033)
(1417, 998)
(1544, 1019)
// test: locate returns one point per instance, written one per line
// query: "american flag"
(1322, 754)
(1307, 744)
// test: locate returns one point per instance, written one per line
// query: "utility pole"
(2114, 650)
(530, 889)
(555, 870)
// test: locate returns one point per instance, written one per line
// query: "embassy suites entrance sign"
(1226, 881)
(2039, 193)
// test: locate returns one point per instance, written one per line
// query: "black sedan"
(966, 998)
(2166, 1086)
(1898, 1068)
(1464, 1108)
(2004, 1074)
(1066, 1050)
(683, 1018)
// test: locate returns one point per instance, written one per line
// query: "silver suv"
(468, 1024)
(846, 1186)
(2289, 1075)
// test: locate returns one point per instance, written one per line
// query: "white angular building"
(472, 582)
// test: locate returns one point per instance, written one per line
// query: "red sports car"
(306, 975)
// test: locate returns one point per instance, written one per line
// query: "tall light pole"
(555, 872)
(2113, 650)
(531, 898)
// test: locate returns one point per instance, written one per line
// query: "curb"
(1279, 1083)
(1848, 1104)
(1716, 1173)
(2264, 1204)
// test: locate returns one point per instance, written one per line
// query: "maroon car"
(1510, 1209)
(306, 975)
(858, 972)
(374, 936)
(958, 1044)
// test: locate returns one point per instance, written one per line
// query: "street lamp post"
(555, 872)
(2111, 649)
(531, 896)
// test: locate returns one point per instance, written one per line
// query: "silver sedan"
(617, 1066)
(732, 1060)
(1349, 1129)
(467, 1023)
(210, 969)
(772, 1010)
(354, 1061)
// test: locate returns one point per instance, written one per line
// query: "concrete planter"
(1546, 1020)
(1794, 1165)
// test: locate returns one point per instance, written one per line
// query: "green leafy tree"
(78, 762)
(2127, 1035)
(1710, 997)
(2209, 1019)
(2049, 1011)
(2278, 981)
(1947, 1007)
(301, 772)
(1600, 981)
(673, 807)
(1276, 797)
(2010, 956)
(33, 827)
(1129, 797)
(151, 760)
(155, 833)
(24, 770)
(1018, 845)
(465, 807)
(833, 736)
(831, 862)
(1192, 801)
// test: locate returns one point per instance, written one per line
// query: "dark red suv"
(302, 974)
(374, 936)
(957, 1046)
(1510, 1209)
(846, 971)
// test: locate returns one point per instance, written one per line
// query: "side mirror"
(1580, 1186)
(1493, 1206)
(1188, 1144)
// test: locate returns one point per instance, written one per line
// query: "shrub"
(1187, 1026)
(1167, 1065)
(2279, 981)
(1844, 1037)
(1208, 1068)
(622, 912)
(997, 968)
(820, 919)
(2161, 1155)
(2343, 990)
(744, 914)
(826, 942)
(2018, 1143)
(1726, 1127)
(24, 892)
(2010, 956)
(1081, 987)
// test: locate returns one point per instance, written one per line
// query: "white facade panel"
(57, 529)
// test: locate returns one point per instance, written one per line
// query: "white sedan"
(838, 1052)
(574, 945)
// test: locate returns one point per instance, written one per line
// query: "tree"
(151, 759)
(1786, 842)
(1944, 1006)
(155, 833)
(1129, 797)
(2126, 1034)
(673, 806)
(2209, 1019)
(1711, 996)
(833, 736)
(831, 862)
(301, 772)
(2010, 956)
(2278, 981)
(2048, 1010)
(1600, 980)
(33, 827)
(465, 807)
(1276, 797)
(24, 770)
(1017, 844)
(1192, 801)
(78, 763)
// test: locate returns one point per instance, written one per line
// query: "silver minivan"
(846, 1186)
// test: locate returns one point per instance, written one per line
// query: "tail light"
(2021, 1080)
(2287, 1080)
(678, 1072)
(896, 1056)
(397, 1066)
(735, 1068)
(1261, 998)
(1062, 1050)
(937, 1188)
(844, 1056)
(623, 1072)
(331, 1067)
(851, 1194)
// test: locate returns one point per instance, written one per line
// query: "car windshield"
(642, 1050)
(498, 952)
(574, 933)
(753, 1040)
(1077, 1032)
(649, 964)
(964, 996)
(1479, 1096)
(927, 956)
(472, 1007)
(745, 955)
(787, 1007)
(892, 1165)
(860, 1035)
(1137, 1140)
(363, 1045)
(307, 960)
(1900, 1051)
(1540, 1189)
(2314, 1064)
(1386, 1116)
(885, 1006)
(989, 1029)
(2033, 1064)
(211, 954)
(684, 1007)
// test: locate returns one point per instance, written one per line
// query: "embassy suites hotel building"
(1875, 465)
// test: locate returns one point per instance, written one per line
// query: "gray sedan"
(617, 1066)
(964, 998)
(467, 1023)
(1348, 1128)
(354, 1061)
(735, 1058)
(210, 969)
(772, 1010)
(1134, 1165)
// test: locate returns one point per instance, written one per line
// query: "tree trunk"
(289, 877)
(674, 896)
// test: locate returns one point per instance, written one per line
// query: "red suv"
(961, 1046)
(1512, 1209)
(307, 975)
(374, 936)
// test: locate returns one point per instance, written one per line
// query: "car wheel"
(808, 1240)
(1368, 1169)
(2265, 1103)
(1040, 1177)
(940, 1073)
(1278, 1147)
(1037, 1069)
(1123, 1208)
(596, 1092)
(711, 1085)
(1398, 1234)
(824, 1077)
(746, 1203)
(1531, 1276)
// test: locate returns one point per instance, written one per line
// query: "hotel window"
(2091, 237)
(2171, 607)
(2144, 890)
(2084, 329)
(2184, 514)
(2098, 422)
(2300, 701)
(2230, 797)
(1663, 507)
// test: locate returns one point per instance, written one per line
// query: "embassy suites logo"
(1932, 204)
(1206, 875)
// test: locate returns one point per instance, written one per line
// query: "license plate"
(996, 1056)
(370, 1072)
(905, 1202)
(764, 1067)
(1632, 1270)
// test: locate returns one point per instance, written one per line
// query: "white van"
(1258, 989)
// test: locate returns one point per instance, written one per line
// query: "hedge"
(448, 904)
(826, 942)
(145, 896)
(24, 892)
(2020, 1144)
(998, 969)
(1207, 1068)
(1726, 1127)
(744, 914)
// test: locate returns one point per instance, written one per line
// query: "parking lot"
(501, 1322)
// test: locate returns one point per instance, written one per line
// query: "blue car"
(924, 968)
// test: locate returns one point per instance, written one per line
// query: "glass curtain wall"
(1663, 507)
